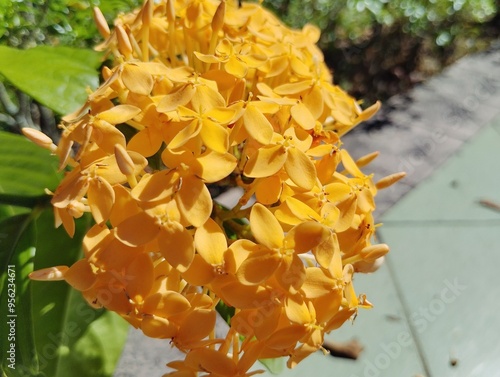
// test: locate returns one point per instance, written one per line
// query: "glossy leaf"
(17, 239)
(83, 341)
(57, 76)
(26, 170)
(57, 333)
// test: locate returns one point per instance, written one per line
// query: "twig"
(490, 204)
(350, 349)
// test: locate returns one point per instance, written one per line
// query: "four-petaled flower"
(208, 93)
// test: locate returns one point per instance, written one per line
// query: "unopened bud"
(218, 20)
(170, 11)
(147, 12)
(389, 180)
(51, 273)
(366, 267)
(124, 44)
(100, 21)
(39, 138)
(366, 159)
(124, 161)
(374, 251)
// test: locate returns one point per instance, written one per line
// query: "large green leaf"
(87, 342)
(56, 333)
(57, 76)
(17, 239)
(26, 170)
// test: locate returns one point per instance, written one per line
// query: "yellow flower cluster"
(204, 92)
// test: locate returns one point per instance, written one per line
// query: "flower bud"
(39, 138)
(218, 20)
(51, 273)
(389, 180)
(374, 251)
(124, 161)
(123, 41)
(100, 21)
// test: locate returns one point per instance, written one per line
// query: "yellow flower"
(205, 93)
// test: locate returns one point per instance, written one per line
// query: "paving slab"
(454, 192)
(420, 130)
(449, 288)
(447, 249)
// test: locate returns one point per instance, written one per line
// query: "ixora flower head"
(222, 93)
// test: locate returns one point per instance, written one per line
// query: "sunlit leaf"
(57, 76)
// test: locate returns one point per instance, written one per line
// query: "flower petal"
(101, 198)
(196, 326)
(182, 136)
(211, 361)
(350, 165)
(155, 187)
(265, 228)
(199, 272)
(173, 100)
(300, 169)
(258, 267)
(337, 192)
(328, 305)
(286, 337)
(137, 79)
(176, 245)
(306, 236)
(158, 327)
(235, 67)
(125, 206)
(206, 99)
(80, 275)
(210, 242)
(216, 166)
(301, 114)
(194, 201)
(166, 304)
(119, 114)
(215, 136)
(317, 283)
(266, 161)
(139, 277)
(291, 273)
(146, 142)
(257, 125)
(94, 238)
(269, 190)
(106, 136)
(347, 211)
(137, 230)
(297, 311)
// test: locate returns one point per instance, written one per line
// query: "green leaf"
(9, 210)
(274, 366)
(17, 239)
(85, 342)
(56, 333)
(57, 76)
(26, 170)
(226, 312)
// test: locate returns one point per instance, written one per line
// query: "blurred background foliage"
(379, 48)
(376, 48)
